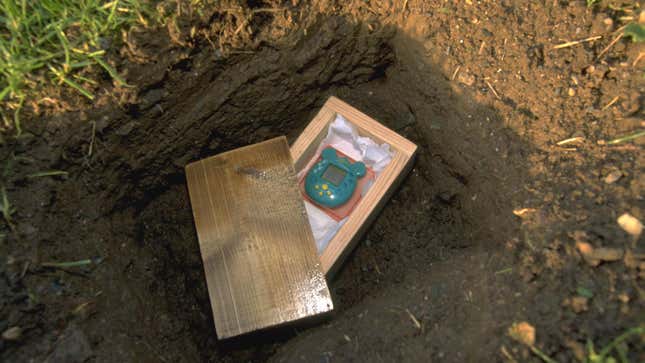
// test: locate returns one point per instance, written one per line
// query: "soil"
(446, 268)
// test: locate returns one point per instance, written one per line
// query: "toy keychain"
(331, 181)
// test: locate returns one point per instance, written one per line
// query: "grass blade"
(65, 44)
(112, 72)
(67, 264)
(79, 88)
(4, 92)
(47, 173)
(626, 138)
(633, 331)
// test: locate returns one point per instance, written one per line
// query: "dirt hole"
(445, 217)
(447, 204)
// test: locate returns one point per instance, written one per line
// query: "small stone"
(571, 92)
(591, 69)
(522, 332)
(613, 176)
(579, 304)
(12, 334)
(608, 22)
(624, 298)
(630, 224)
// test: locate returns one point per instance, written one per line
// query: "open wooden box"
(260, 260)
(364, 213)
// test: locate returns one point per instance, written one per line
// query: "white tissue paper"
(343, 137)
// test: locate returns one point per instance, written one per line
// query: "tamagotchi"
(332, 180)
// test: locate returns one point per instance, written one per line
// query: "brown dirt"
(447, 250)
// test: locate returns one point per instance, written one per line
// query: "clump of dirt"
(481, 234)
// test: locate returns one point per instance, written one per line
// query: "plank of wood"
(262, 267)
(367, 209)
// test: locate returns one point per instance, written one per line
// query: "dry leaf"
(630, 224)
(522, 332)
(521, 212)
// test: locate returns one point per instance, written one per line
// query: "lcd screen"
(334, 175)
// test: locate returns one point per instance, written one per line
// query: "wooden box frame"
(304, 149)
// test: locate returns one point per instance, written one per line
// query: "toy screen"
(334, 175)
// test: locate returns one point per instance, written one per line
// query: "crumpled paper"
(342, 136)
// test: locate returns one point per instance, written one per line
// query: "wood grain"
(371, 204)
(259, 254)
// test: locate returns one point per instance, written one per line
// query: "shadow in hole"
(468, 169)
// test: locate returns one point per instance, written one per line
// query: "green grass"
(604, 355)
(46, 173)
(635, 31)
(58, 42)
(591, 3)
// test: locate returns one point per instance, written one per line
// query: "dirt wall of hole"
(206, 109)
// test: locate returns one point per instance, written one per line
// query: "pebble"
(613, 176)
(630, 224)
(12, 334)
(523, 332)
(579, 304)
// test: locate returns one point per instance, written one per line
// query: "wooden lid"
(262, 267)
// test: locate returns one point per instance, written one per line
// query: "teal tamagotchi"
(332, 180)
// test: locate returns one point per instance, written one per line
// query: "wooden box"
(362, 216)
(260, 259)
